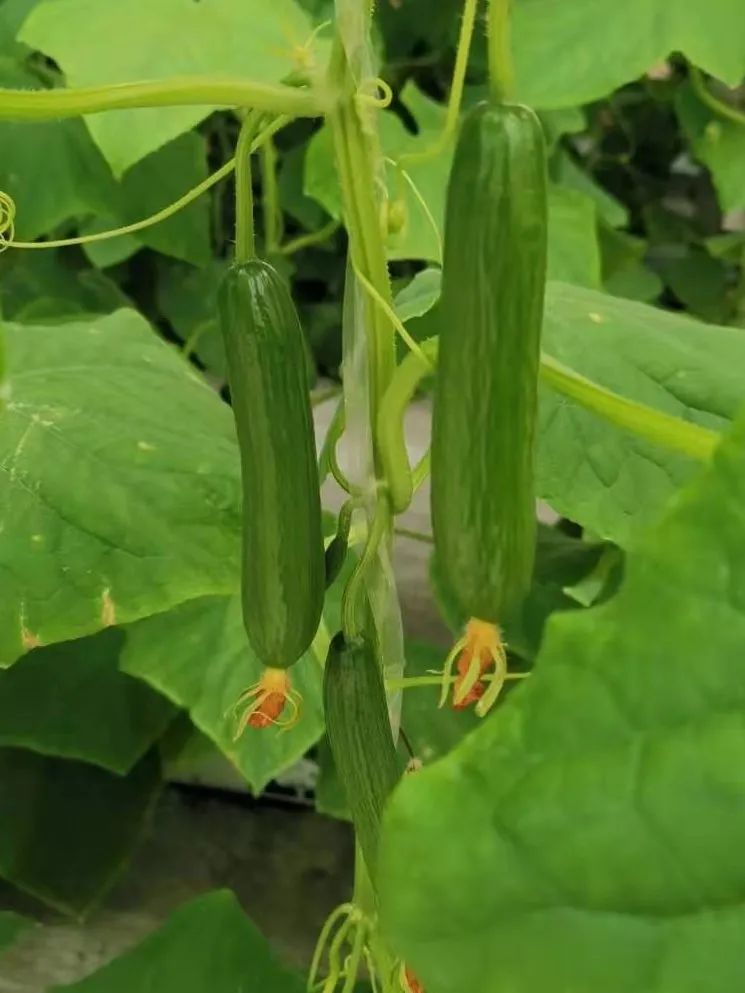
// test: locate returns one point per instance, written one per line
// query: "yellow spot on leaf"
(145, 446)
(29, 640)
(596, 318)
(37, 538)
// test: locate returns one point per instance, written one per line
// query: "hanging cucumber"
(483, 503)
(360, 737)
(283, 577)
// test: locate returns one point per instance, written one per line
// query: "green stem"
(670, 432)
(705, 95)
(356, 165)
(245, 241)
(437, 679)
(353, 614)
(420, 536)
(456, 90)
(312, 238)
(501, 70)
(393, 454)
(270, 198)
(184, 91)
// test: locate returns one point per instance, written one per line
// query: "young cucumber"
(283, 577)
(360, 737)
(494, 272)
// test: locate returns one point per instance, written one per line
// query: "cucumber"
(283, 580)
(359, 734)
(494, 272)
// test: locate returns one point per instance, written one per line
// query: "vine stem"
(245, 242)
(181, 91)
(456, 90)
(501, 69)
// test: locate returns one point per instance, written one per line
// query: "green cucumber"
(359, 734)
(494, 272)
(283, 580)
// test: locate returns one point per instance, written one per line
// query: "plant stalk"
(181, 91)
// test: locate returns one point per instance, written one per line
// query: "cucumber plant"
(486, 364)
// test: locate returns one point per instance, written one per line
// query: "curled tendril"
(381, 98)
(7, 221)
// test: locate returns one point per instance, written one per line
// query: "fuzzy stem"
(183, 91)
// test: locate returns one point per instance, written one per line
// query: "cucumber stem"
(245, 239)
(501, 70)
(182, 91)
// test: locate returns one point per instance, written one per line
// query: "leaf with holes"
(119, 482)
(598, 817)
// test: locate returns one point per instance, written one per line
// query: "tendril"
(7, 221)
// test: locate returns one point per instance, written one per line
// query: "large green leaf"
(198, 656)
(112, 42)
(573, 250)
(569, 52)
(607, 479)
(69, 828)
(588, 836)
(70, 700)
(149, 185)
(120, 488)
(44, 197)
(208, 944)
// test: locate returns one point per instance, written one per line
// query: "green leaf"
(120, 486)
(188, 298)
(587, 838)
(573, 253)
(718, 143)
(624, 271)
(208, 944)
(609, 480)
(421, 294)
(198, 656)
(111, 42)
(158, 180)
(612, 44)
(69, 828)
(48, 285)
(71, 701)
(46, 197)
(568, 173)
(11, 926)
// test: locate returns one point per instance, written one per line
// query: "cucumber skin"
(485, 405)
(283, 581)
(359, 733)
